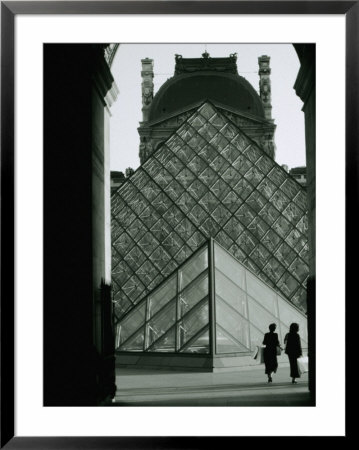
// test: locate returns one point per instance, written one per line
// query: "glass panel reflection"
(189, 298)
(259, 316)
(131, 322)
(262, 293)
(234, 324)
(198, 345)
(160, 323)
(162, 296)
(229, 266)
(193, 268)
(192, 323)
(166, 343)
(134, 343)
(226, 343)
(229, 291)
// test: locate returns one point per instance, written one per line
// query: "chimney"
(147, 86)
(265, 85)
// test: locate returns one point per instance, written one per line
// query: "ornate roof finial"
(205, 55)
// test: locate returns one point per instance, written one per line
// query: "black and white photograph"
(175, 230)
(201, 209)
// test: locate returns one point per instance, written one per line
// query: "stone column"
(147, 86)
(305, 88)
(147, 74)
(265, 85)
(104, 94)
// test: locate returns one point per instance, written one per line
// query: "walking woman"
(293, 349)
(271, 343)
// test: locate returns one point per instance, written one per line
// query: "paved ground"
(244, 387)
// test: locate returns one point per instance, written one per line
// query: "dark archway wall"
(305, 89)
(77, 80)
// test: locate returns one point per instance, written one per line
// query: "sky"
(126, 111)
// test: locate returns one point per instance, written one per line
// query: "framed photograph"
(175, 178)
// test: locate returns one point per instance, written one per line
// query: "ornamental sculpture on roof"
(206, 63)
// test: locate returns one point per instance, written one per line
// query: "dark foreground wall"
(76, 80)
(306, 90)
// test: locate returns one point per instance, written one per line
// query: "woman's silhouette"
(271, 343)
(293, 349)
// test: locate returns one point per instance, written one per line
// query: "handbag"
(302, 364)
(261, 355)
(279, 350)
(258, 354)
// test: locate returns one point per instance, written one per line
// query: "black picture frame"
(9, 10)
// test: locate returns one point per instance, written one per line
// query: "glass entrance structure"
(175, 316)
(207, 182)
(212, 308)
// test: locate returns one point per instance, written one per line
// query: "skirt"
(270, 361)
(294, 373)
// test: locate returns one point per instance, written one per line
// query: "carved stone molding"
(110, 52)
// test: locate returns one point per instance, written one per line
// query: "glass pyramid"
(211, 304)
(175, 316)
(245, 306)
(208, 180)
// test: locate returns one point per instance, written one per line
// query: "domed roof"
(185, 89)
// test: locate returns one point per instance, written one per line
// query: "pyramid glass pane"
(134, 343)
(169, 317)
(232, 294)
(131, 323)
(229, 266)
(166, 292)
(194, 293)
(236, 326)
(167, 343)
(193, 268)
(258, 290)
(244, 314)
(198, 344)
(160, 323)
(192, 322)
(227, 343)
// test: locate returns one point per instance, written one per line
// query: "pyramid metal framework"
(210, 305)
(208, 180)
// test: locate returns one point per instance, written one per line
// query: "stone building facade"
(196, 80)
